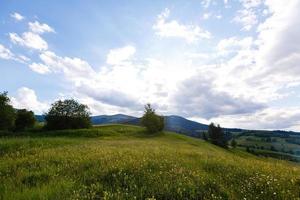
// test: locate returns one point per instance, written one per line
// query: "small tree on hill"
(25, 119)
(216, 135)
(7, 113)
(153, 122)
(67, 114)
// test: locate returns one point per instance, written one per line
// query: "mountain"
(111, 119)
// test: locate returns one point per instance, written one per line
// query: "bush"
(153, 122)
(7, 113)
(67, 114)
(233, 143)
(25, 119)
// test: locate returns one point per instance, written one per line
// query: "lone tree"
(7, 113)
(67, 114)
(25, 119)
(153, 122)
(233, 143)
(216, 135)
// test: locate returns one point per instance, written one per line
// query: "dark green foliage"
(7, 113)
(67, 114)
(204, 136)
(216, 135)
(25, 119)
(233, 143)
(153, 122)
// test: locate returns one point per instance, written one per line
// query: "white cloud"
(191, 33)
(251, 3)
(30, 40)
(206, 15)
(39, 28)
(17, 16)
(26, 98)
(247, 18)
(270, 118)
(206, 3)
(39, 68)
(5, 53)
(231, 44)
(120, 55)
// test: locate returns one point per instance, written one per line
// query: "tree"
(153, 122)
(67, 114)
(216, 135)
(25, 119)
(233, 143)
(204, 136)
(7, 113)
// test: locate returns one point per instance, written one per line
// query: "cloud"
(231, 44)
(39, 28)
(29, 40)
(247, 18)
(206, 3)
(17, 16)
(5, 53)
(75, 69)
(278, 38)
(199, 97)
(111, 97)
(270, 118)
(39, 68)
(206, 15)
(190, 33)
(26, 98)
(120, 55)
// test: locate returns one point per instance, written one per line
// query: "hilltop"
(122, 162)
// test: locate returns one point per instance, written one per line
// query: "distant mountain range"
(172, 123)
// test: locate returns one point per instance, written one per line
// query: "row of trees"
(67, 114)
(14, 119)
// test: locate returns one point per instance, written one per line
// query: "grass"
(121, 162)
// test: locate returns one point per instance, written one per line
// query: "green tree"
(233, 143)
(153, 122)
(216, 135)
(67, 114)
(7, 113)
(25, 119)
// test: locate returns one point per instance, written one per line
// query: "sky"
(233, 62)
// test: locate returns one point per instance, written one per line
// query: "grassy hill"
(121, 162)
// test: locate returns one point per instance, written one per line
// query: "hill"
(122, 162)
(172, 123)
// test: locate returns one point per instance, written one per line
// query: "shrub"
(153, 122)
(67, 114)
(25, 119)
(7, 113)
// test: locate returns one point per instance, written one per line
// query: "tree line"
(70, 114)
(64, 114)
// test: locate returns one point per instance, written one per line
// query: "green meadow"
(123, 162)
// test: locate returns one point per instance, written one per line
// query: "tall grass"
(123, 163)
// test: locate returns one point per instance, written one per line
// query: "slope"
(121, 162)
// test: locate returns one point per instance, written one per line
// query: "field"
(278, 146)
(122, 162)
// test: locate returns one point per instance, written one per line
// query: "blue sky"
(234, 62)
